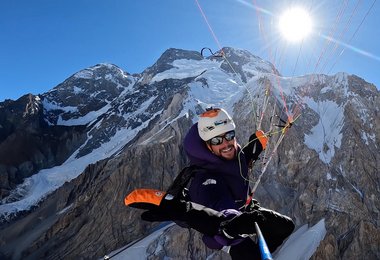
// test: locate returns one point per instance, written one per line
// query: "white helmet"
(214, 122)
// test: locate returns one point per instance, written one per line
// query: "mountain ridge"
(141, 122)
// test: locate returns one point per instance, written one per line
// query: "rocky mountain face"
(129, 128)
(337, 179)
(28, 144)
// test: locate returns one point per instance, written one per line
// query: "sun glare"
(295, 24)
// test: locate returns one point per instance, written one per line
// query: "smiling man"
(220, 181)
(211, 145)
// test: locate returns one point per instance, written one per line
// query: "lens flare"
(295, 24)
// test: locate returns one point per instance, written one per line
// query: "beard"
(228, 152)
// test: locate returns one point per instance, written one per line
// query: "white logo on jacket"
(209, 181)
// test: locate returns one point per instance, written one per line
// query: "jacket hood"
(233, 172)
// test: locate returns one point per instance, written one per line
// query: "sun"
(295, 24)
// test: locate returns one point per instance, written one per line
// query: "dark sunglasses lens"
(216, 140)
(230, 135)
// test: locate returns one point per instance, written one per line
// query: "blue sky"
(43, 42)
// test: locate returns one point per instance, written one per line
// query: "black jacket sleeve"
(187, 214)
(274, 226)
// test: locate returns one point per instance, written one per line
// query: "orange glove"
(262, 138)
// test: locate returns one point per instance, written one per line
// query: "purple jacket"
(218, 185)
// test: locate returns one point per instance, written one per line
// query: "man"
(218, 204)
(220, 182)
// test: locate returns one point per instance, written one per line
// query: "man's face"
(226, 149)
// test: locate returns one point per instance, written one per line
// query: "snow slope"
(299, 246)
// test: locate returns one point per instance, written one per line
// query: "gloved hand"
(257, 143)
(242, 224)
(253, 205)
(262, 138)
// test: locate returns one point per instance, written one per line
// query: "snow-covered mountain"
(69, 156)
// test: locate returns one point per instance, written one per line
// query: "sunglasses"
(219, 139)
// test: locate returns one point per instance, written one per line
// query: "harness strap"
(181, 181)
